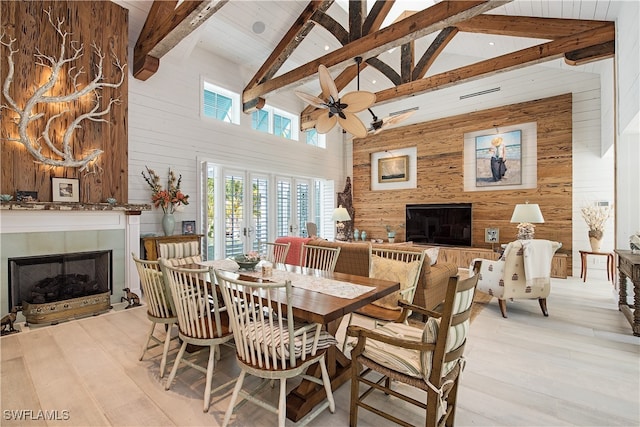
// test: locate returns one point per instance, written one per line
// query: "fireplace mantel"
(57, 206)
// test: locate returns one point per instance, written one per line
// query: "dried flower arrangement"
(596, 216)
(168, 199)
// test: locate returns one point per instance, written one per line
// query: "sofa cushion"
(432, 253)
(397, 271)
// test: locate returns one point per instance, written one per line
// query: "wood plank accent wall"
(103, 23)
(440, 172)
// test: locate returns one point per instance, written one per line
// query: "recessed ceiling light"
(491, 43)
(258, 27)
(373, 81)
(326, 47)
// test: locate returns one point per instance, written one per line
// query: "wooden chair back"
(319, 258)
(277, 252)
(197, 307)
(157, 296)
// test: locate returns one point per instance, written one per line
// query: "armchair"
(523, 271)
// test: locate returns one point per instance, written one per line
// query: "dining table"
(317, 306)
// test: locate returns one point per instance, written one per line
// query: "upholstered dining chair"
(269, 344)
(277, 252)
(523, 272)
(202, 320)
(159, 310)
(319, 258)
(180, 253)
(312, 229)
(428, 357)
(396, 265)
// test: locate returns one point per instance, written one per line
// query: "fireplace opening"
(50, 278)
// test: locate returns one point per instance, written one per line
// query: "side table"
(610, 265)
(629, 267)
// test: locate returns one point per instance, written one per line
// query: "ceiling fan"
(378, 125)
(339, 110)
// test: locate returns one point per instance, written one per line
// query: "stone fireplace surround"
(35, 229)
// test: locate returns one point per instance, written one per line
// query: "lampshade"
(527, 212)
(340, 214)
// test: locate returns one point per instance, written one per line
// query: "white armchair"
(523, 272)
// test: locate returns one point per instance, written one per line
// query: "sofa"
(432, 285)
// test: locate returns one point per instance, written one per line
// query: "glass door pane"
(283, 208)
(234, 214)
(302, 206)
(259, 229)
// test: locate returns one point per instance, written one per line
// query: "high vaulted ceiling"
(409, 47)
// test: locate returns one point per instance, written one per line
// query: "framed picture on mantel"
(65, 190)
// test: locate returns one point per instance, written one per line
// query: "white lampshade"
(340, 214)
(527, 212)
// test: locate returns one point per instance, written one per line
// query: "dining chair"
(276, 252)
(395, 265)
(269, 344)
(312, 229)
(202, 320)
(319, 258)
(180, 253)
(428, 357)
(159, 310)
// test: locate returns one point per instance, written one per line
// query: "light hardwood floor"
(580, 366)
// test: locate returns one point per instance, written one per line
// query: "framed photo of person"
(188, 227)
(65, 190)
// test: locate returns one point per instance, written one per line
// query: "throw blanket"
(293, 257)
(537, 256)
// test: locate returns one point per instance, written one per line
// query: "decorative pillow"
(398, 271)
(432, 253)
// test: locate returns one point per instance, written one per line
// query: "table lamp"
(526, 214)
(340, 214)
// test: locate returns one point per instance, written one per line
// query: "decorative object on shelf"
(356, 234)
(26, 196)
(170, 199)
(596, 215)
(7, 322)
(6, 197)
(526, 215)
(391, 232)
(188, 227)
(247, 261)
(363, 235)
(65, 190)
(111, 200)
(338, 110)
(339, 215)
(168, 224)
(634, 242)
(65, 74)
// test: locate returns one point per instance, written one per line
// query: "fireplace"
(56, 287)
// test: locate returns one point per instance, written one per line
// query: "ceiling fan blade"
(311, 100)
(327, 84)
(353, 125)
(325, 123)
(395, 119)
(358, 101)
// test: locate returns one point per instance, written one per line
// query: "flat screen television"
(439, 224)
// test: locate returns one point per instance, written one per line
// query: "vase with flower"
(169, 199)
(596, 216)
(391, 232)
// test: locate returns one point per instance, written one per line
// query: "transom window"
(277, 122)
(315, 139)
(220, 104)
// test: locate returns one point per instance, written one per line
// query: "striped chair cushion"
(274, 336)
(181, 253)
(413, 362)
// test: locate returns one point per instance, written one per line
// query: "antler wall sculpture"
(59, 152)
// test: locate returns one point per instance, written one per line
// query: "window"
(315, 139)
(276, 122)
(220, 104)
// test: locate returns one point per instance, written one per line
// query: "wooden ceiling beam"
(511, 61)
(426, 61)
(434, 18)
(591, 54)
(165, 27)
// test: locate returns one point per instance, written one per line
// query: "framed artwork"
(499, 159)
(65, 190)
(393, 169)
(188, 227)
(491, 235)
(26, 196)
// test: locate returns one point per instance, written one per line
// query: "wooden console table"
(151, 247)
(629, 266)
(611, 275)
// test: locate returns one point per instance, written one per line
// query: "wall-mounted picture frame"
(65, 190)
(491, 235)
(188, 227)
(393, 169)
(26, 196)
(499, 159)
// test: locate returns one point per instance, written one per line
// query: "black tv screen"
(439, 224)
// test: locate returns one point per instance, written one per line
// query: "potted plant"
(391, 232)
